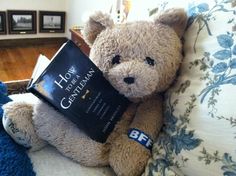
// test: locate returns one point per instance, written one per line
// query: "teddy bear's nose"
(129, 80)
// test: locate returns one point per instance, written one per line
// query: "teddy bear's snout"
(129, 80)
(134, 78)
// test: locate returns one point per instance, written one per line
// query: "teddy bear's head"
(138, 58)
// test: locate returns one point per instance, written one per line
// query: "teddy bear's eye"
(116, 60)
(150, 61)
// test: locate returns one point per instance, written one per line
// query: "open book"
(74, 86)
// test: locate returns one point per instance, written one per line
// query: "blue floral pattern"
(202, 14)
(223, 69)
(206, 83)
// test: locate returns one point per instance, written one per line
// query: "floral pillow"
(199, 134)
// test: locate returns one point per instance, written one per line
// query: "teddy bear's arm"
(148, 117)
(127, 156)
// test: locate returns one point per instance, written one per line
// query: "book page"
(40, 66)
(62, 46)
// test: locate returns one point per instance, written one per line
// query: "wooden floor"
(17, 63)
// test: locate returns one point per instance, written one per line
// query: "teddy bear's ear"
(96, 23)
(176, 18)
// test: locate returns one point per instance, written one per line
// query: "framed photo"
(3, 22)
(51, 22)
(22, 22)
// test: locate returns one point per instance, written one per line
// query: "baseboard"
(31, 42)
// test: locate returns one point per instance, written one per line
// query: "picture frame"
(52, 21)
(3, 29)
(22, 21)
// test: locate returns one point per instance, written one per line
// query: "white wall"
(51, 5)
(140, 9)
(79, 10)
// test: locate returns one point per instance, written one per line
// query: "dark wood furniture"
(16, 87)
(77, 38)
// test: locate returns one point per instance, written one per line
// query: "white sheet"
(49, 162)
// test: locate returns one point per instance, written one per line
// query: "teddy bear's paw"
(17, 121)
(128, 157)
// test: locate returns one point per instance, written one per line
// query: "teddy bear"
(140, 60)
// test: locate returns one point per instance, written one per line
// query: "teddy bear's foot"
(17, 121)
(127, 157)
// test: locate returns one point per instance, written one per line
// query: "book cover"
(74, 86)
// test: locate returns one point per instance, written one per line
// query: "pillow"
(199, 133)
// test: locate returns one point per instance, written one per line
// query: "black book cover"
(73, 85)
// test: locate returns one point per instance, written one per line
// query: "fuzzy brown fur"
(150, 53)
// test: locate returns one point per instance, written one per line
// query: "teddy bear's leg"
(130, 153)
(17, 121)
(60, 132)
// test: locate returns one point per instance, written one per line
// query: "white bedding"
(49, 162)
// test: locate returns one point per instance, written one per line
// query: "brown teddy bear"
(140, 60)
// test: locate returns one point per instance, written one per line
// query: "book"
(73, 85)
